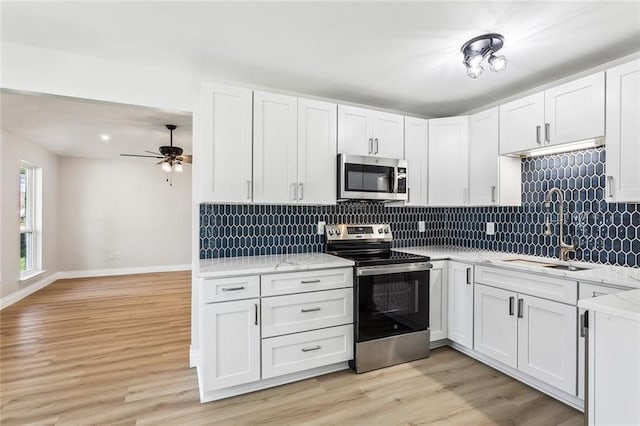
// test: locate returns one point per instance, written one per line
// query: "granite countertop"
(595, 274)
(625, 304)
(255, 265)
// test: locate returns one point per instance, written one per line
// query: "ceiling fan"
(171, 156)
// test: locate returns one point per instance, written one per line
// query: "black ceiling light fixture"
(481, 47)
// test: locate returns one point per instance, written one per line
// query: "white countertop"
(254, 265)
(625, 304)
(596, 274)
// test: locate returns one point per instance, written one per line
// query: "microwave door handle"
(394, 176)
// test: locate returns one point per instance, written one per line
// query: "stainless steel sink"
(542, 264)
(567, 267)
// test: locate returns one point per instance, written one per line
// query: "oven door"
(391, 300)
(368, 178)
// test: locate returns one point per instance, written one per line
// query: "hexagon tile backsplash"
(603, 232)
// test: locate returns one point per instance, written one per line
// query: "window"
(29, 247)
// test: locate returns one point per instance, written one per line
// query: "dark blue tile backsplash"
(604, 232)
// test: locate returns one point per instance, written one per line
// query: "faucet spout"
(564, 249)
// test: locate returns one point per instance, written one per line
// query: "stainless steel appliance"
(371, 178)
(391, 296)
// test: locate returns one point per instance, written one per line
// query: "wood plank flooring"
(114, 350)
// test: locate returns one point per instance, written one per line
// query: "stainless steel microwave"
(371, 178)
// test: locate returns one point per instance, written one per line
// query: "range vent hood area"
(557, 149)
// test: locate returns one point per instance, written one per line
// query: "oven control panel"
(378, 232)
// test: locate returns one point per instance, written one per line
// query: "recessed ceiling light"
(104, 137)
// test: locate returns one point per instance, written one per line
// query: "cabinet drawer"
(587, 291)
(299, 282)
(536, 285)
(302, 351)
(225, 289)
(306, 311)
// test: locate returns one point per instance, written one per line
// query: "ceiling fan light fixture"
(166, 166)
(177, 166)
(478, 48)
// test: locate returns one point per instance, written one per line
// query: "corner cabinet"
(623, 133)
(571, 112)
(367, 132)
(460, 303)
(224, 154)
(448, 161)
(416, 152)
(493, 179)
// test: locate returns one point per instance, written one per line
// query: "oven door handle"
(392, 269)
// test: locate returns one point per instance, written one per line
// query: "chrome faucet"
(565, 249)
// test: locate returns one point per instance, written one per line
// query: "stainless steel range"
(391, 296)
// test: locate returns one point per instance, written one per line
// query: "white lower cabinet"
(301, 351)
(534, 335)
(230, 344)
(438, 301)
(460, 303)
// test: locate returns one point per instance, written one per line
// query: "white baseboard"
(193, 356)
(27, 290)
(123, 271)
(32, 288)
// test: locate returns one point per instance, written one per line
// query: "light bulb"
(475, 72)
(498, 63)
(474, 61)
(166, 166)
(177, 167)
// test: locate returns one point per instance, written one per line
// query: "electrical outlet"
(321, 226)
(421, 226)
(491, 228)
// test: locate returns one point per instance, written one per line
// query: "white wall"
(13, 150)
(122, 214)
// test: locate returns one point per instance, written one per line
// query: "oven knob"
(386, 230)
(380, 230)
(332, 231)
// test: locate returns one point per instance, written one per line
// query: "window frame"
(32, 221)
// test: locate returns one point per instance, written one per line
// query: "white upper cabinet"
(416, 150)
(570, 112)
(275, 148)
(623, 133)
(224, 158)
(493, 180)
(448, 183)
(317, 153)
(367, 132)
(521, 124)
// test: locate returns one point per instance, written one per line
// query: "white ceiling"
(396, 55)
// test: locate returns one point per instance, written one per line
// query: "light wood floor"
(114, 350)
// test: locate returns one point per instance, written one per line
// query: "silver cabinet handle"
(309, 281)
(248, 190)
(301, 195)
(610, 186)
(370, 145)
(538, 141)
(468, 276)
(520, 308)
(377, 145)
(314, 348)
(233, 288)
(547, 132)
(493, 194)
(255, 305)
(511, 300)
(310, 310)
(582, 329)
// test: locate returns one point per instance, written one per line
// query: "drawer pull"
(309, 281)
(314, 348)
(599, 293)
(232, 288)
(310, 310)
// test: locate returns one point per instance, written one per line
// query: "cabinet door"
(460, 303)
(438, 301)
(521, 124)
(496, 324)
(416, 152)
(317, 152)
(623, 133)
(575, 111)
(224, 158)
(275, 141)
(230, 337)
(547, 340)
(388, 135)
(355, 130)
(448, 161)
(483, 158)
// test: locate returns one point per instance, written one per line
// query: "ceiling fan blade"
(136, 155)
(151, 152)
(186, 158)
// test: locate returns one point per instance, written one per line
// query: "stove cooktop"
(387, 258)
